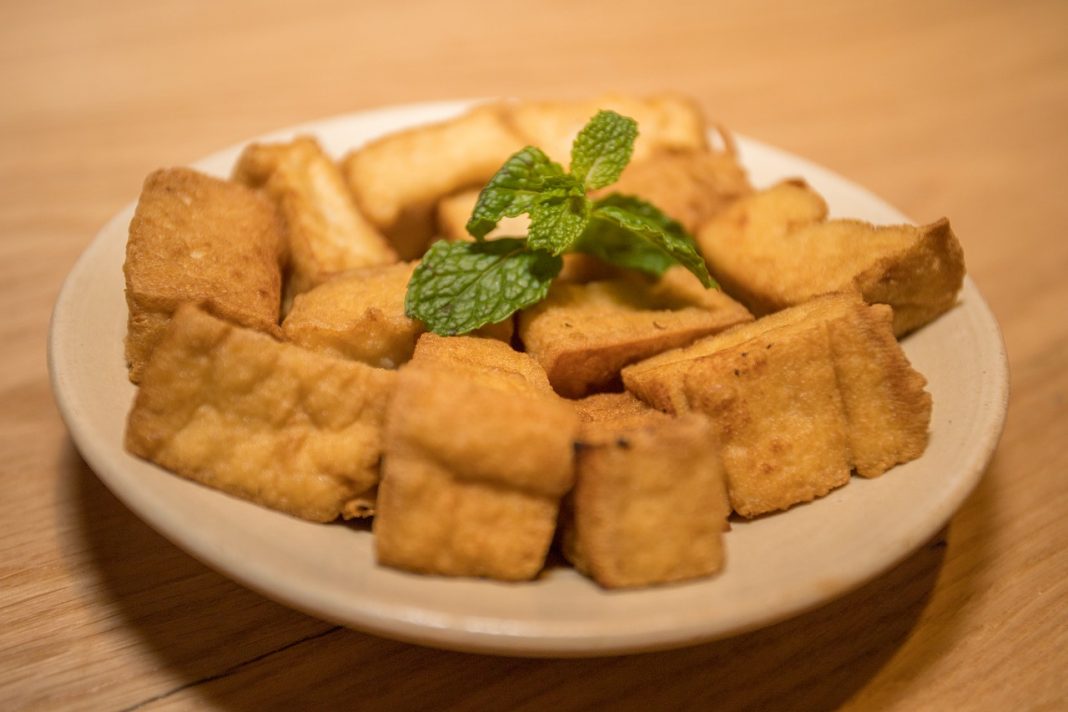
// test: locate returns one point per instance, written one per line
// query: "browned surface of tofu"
(478, 454)
(690, 185)
(198, 239)
(886, 409)
(397, 180)
(649, 504)
(265, 421)
(583, 334)
(776, 249)
(325, 231)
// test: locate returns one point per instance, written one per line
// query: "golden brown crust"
(235, 410)
(775, 249)
(198, 239)
(326, 233)
(397, 180)
(649, 505)
(479, 452)
(583, 334)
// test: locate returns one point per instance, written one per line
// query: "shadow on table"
(234, 649)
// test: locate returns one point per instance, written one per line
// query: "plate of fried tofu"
(634, 463)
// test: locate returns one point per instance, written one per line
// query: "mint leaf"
(557, 222)
(516, 187)
(608, 241)
(646, 221)
(460, 286)
(602, 149)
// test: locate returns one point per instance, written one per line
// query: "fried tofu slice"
(583, 334)
(690, 185)
(194, 238)
(357, 315)
(664, 122)
(398, 179)
(776, 249)
(649, 505)
(886, 409)
(604, 414)
(478, 455)
(265, 421)
(326, 233)
(360, 315)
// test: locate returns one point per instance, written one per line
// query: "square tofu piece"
(886, 408)
(398, 179)
(649, 505)
(265, 421)
(326, 232)
(776, 249)
(583, 334)
(602, 415)
(357, 315)
(478, 455)
(690, 185)
(199, 239)
(664, 122)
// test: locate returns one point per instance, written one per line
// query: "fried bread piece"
(886, 409)
(478, 454)
(398, 179)
(326, 233)
(776, 248)
(690, 185)
(265, 421)
(664, 121)
(649, 505)
(194, 238)
(583, 334)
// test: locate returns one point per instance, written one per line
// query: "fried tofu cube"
(649, 505)
(886, 409)
(265, 421)
(194, 238)
(665, 121)
(602, 415)
(398, 179)
(478, 455)
(326, 233)
(357, 315)
(690, 185)
(583, 334)
(776, 249)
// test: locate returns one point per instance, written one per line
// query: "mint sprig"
(461, 286)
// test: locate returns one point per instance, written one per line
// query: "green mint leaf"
(460, 286)
(557, 222)
(646, 221)
(608, 241)
(602, 149)
(516, 187)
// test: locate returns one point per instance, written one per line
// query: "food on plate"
(269, 422)
(668, 121)
(583, 334)
(798, 399)
(690, 185)
(649, 505)
(556, 368)
(398, 179)
(479, 453)
(198, 239)
(776, 248)
(325, 232)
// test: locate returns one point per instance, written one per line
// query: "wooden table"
(941, 107)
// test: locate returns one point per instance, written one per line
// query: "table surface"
(942, 108)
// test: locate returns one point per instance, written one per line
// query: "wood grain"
(943, 108)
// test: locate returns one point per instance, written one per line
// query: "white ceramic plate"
(777, 566)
